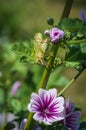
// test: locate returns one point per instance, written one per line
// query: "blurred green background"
(19, 21)
(23, 18)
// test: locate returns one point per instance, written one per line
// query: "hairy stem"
(47, 71)
(70, 83)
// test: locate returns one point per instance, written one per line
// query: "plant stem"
(67, 9)
(47, 71)
(76, 41)
(70, 83)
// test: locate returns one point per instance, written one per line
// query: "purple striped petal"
(71, 120)
(36, 103)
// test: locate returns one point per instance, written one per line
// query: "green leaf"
(72, 25)
(16, 105)
(73, 28)
(25, 51)
(34, 52)
(76, 65)
(64, 128)
(83, 125)
(74, 57)
(83, 47)
(20, 48)
(9, 126)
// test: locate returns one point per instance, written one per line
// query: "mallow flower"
(82, 16)
(71, 120)
(23, 122)
(46, 106)
(55, 34)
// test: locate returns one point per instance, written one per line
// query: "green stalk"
(70, 83)
(47, 71)
(76, 41)
(67, 9)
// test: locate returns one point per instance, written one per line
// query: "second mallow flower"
(55, 34)
(46, 106)
(72, 117)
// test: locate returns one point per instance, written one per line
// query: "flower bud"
(50, 21)
(23, 124)
(47, 32)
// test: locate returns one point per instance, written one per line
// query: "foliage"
(75, 56)
(75, 27)
(32, 61)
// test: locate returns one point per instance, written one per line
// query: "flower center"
(56, 33)
(45, 111)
